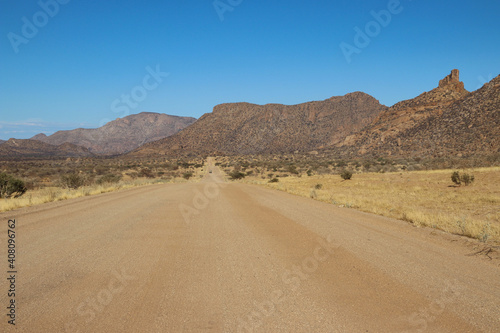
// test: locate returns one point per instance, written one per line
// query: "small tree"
(462, 178)
(11, 187)
(346, 175)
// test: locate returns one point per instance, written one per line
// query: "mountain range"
(121, 135)
(14, 148)
(243, 128)
(445, 121)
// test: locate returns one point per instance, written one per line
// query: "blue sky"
(77, 68)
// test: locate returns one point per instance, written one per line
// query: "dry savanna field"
(57, 180)
(423, 198)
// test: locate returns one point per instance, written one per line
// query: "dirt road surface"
(214, 256)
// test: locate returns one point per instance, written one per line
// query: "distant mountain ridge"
(15, 148)
(121, 135)
(244, 128)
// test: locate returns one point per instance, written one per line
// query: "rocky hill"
(407, 114)
(447, 121)
(121, 135)
(17, 148)
(243, 128)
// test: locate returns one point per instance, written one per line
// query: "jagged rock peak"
(452, 79)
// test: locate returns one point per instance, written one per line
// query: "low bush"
(236, 175)
(11, 187)
(146, 172)
(187, 175)
(462, 178)
(274, 180)
(72, 181)
(109, 179)
(346, 175)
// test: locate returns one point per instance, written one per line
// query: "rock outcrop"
(452, 80)
(447, 121)
(406, 115)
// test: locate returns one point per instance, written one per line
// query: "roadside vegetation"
(460, 195)
(33, 182)
(457, 196)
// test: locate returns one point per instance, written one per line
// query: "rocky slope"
(447, 121)
(20, 148)
(121, 135)
(243, 128)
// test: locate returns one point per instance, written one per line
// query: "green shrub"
(109, 179)
(274, 180)
(341, 164)
(346, 175)
(318, 186)
(236, 175)
(146, 172)
(11, 187)
(462, 178)
(292, 169)
(73, 181)
(187, 175)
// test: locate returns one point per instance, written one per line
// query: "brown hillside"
(121, 135)
(17, 148)
(243, 128)
(456, 126)
(467, 127)
(407, 114)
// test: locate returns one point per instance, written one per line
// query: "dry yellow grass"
(50, 194)
(424, 198)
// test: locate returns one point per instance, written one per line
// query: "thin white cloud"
(25, 129)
